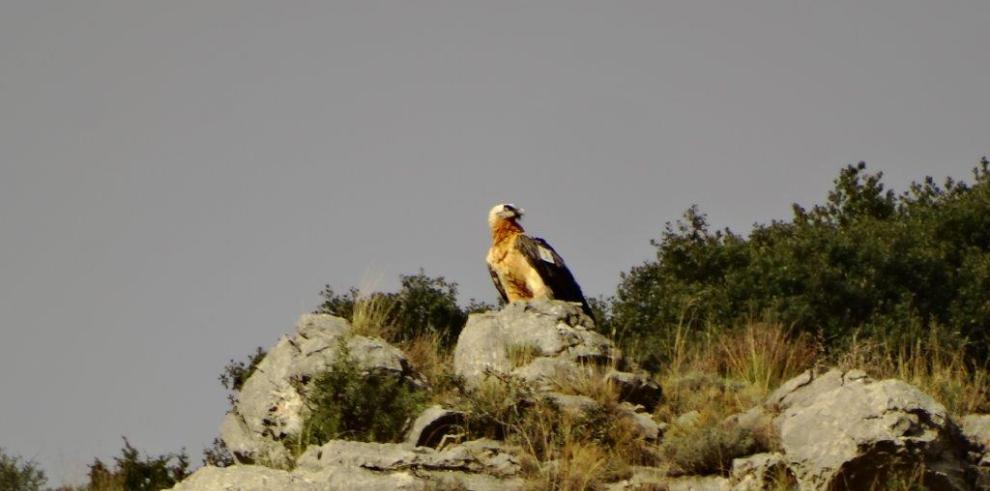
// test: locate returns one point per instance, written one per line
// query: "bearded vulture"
(524, 267)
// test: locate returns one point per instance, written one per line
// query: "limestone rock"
(843, 427)
(270, 405)
(245, 478)
(477, 456)
(429, 429)
(636, 388)
(762, 471)
(976, 430)
(547, 329)
(480, 465)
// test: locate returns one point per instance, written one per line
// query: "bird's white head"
(504, 211)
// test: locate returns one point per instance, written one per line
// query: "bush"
(237, 372)
(866, 260)
(707, 448)
(131, 472)
(422, 305)
(19, 475)
(346, 403)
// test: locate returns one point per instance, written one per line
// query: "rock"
(430, 428)
(641, 422)
(270, 406)
(698, 483)
(636, 388)
(651, 479)
(843, 428)
(572, 404)
(756, 420)
(762, 471)
(642, 479)
(245, 478)
(550, 331)
(975, 429)
(548, 374)
(477, 456)
(480, 465)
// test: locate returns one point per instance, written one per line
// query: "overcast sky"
(179, 179)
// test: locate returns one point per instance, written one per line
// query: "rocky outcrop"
(270, 407)
(547, 344)
(828, 431)
(762, 471)
(843, 430)
(537, 340)
(480, 465)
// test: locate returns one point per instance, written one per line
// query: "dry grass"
(722, 372)
(566, 449)
(522, 354)
(764, 355)
(374, 315)
(435, 365)
(936, 366)
(589, 381)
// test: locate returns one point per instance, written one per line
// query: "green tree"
(19, 475)
(865, 260)
(133, 472)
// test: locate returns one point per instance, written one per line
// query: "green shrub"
(131, 472)
(706, 448)
(423, 304)
(346, 403)
(237, 372)
(19, 475)
(867, 259)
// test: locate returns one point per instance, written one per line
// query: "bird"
(524, 267)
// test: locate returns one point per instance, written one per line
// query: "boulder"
(432, 425)
(270, 406)
(975, 429)
(548, 344)
(842, 429)
(245, 478)
(541, 329)
(636, 388)
(762, 471)
(480, 465)
(478, 456)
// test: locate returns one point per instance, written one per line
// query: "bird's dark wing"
(552, 270)
(498, 284)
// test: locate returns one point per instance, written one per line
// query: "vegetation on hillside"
(866, 263)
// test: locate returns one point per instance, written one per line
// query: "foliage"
(865, 261)
(345, 402)
(131, 472)
(565, 448)
(237, 372)
(422, 304)
(218, 455)
(19, 475)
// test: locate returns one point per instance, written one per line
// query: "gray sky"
(179, 179)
